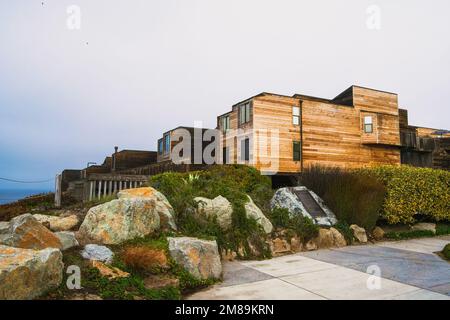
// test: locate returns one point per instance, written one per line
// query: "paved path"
(409, 270)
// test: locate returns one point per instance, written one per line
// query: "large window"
(296, 116)
(160, 146)
(297, 151)
(245, 149)
(167, 143)
(244, 113)
(368, 124)
(225, 123)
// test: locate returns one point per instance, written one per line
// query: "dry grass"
(144, 259)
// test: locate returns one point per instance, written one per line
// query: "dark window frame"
(244, 113)
(296, 154)
(245, 149)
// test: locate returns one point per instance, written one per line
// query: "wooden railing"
(103, 185)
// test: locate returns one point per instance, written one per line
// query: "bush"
(233, 182)
(413, 192)
(446, 252)
(302, 226)
(353, 197)
(402, 235)
(344, 228)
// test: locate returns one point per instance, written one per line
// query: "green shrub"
(446, 252)
(301, 226)
(353, 197)
(344, 228)
(402, 235)
(413, 192)
(233, 182)
(442, 229)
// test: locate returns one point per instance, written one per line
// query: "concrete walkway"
(408, 270)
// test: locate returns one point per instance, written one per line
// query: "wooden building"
(360, 127)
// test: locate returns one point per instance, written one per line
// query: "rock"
(311, 245)
(27, 274)
(422, 226)
(26, 232)
(279, 247)
(253, 212)
(359, 233)
(338, 238)
(57, 223)
(160, 282)
(96, 252)
(4, 227)
(219, 208)
(378, 233)
(286, 198)
(329, 238)
(67, 239)
(296, 244)
(120, 220)
(162, 205)
(199, 257)
(109, 272)
(324, 239)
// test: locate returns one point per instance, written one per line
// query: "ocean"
(12, 195)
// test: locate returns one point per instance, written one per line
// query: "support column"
(110, 188)
(105, 187)
(91, 190)
(99, 193)
(115, 187)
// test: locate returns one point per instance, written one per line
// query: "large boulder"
(219, 208)
(58, 223)
(359, 233)
(162, 205)
(26, 232)
(27, 274)
(68, 239)
(120, 220)
(253, 212)
(378, 233)
(199, 257)
(288, 198)
(97, 253)
(329, 238)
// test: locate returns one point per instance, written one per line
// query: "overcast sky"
(137, 68)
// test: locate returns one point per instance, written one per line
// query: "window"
(166, 143)
(297, 150)
(226, 155)
(244, 113)
(245, 150)
(225, 123)
(368, 124)
(296, 116)
(160, 146)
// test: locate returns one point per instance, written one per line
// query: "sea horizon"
(13, 195)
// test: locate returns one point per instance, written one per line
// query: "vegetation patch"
(354, 198)
(403, 235)
(234, 182)
(299, 225)
(446, 252)
(413, 192)
(344, 228)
